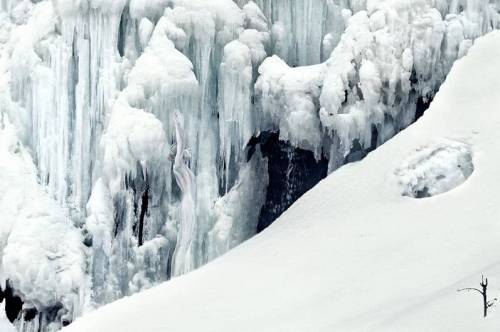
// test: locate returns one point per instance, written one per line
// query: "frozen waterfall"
(185, 178)
(159, 134)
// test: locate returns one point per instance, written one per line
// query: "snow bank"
(353, 254)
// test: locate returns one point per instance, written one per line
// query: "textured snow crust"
(436, 169)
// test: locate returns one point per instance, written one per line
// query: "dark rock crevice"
(13, 303)
(292, 172)
(139, 189)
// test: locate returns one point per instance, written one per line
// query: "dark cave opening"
(358, 152)
(292, 172)
(121, 34)
(144, 209)
(423, 104)
(30, 314)
(13, 303)
(14, 309)
(138, 186)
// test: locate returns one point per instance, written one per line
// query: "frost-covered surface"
(353, 254)
(436, 169)
(390, 60)
(92, 88)
(42, 251)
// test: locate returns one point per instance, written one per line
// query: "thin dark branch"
(484, 288)
(469, 289)
(483, 282)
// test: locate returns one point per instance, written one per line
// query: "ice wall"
(390, 60)
(42, 268)
(158, 127)
(305, 32)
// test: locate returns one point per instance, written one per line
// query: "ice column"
(187, 220)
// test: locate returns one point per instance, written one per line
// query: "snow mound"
(436, 169)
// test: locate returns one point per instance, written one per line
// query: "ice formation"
(436, 169)
(152, 124)
(352, 254)
(387, 65)
(43, 256)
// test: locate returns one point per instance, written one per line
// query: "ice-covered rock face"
(305, 32)
(435, 169)
(147, 122)
(390, 59)
(43, 256)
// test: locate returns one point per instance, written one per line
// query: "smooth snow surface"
(354, 253)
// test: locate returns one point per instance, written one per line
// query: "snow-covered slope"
(360, 252)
